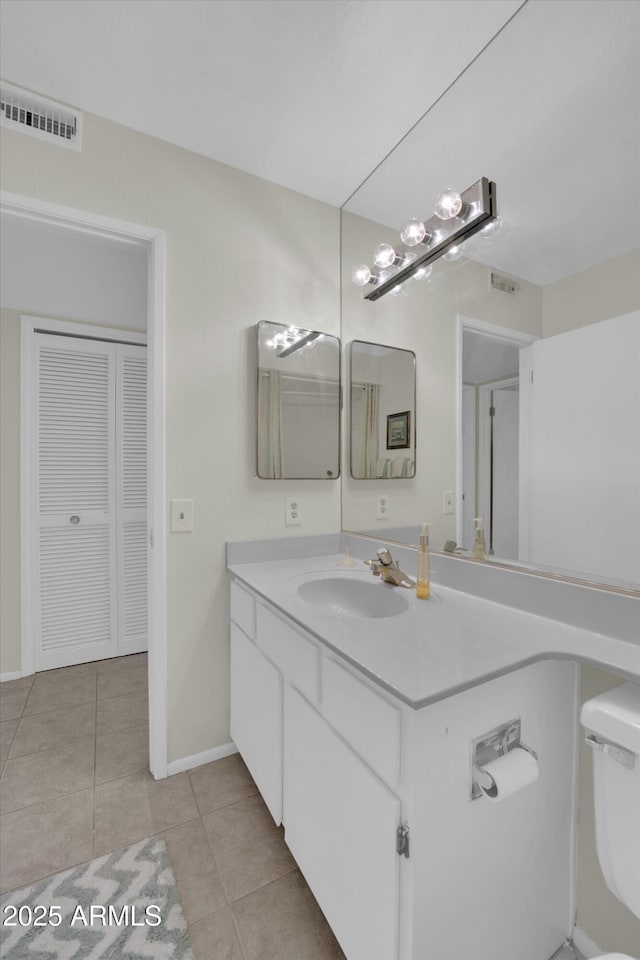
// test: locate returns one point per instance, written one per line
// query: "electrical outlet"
(181, 516)
(382, 508)
(447, 501)
(292, 511)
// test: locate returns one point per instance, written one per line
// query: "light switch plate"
(181, 516)
(447, 502)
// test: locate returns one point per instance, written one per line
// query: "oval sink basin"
(353, 598)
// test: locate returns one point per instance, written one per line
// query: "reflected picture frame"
(399, 430)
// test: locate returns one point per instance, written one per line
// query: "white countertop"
(437, 647)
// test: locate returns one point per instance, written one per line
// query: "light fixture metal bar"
(312, 335)
(481, 199)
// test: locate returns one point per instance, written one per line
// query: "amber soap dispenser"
(423, 582)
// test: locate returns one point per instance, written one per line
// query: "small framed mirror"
(382, 412)
(298, 399)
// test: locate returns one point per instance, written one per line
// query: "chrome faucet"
(388, 570)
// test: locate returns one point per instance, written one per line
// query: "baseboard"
(585, 943)
(14, 675)
(207, 756)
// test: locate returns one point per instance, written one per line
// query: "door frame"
(492, 331)
(484, 447)
(84, 222)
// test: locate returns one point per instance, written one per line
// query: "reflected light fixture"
(422, 272)
(492, 228)
(292, 339)
(457, 217)
(453, 253)
(449, 204)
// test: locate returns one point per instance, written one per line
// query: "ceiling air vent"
(40, 117)
(501, 283)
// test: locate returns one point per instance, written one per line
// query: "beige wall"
(9, 492)
(608, 289)
(239, 250)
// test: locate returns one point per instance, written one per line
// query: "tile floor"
(74, 785)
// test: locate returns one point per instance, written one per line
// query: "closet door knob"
(74, 519)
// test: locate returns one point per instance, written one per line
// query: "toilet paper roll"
(510, 773)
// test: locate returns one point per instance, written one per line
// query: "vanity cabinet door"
(256, 718)
(340, 824)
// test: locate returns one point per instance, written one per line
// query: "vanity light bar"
(309, 337)
(479, 208)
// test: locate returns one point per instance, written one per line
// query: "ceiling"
(542, 97)
(310, 94)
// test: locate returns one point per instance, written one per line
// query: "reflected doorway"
(488, 436)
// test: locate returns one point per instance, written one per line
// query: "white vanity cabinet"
(346, 766)
(340, 819)
(256, 704)
(340, 825)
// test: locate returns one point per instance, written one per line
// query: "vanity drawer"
(243, 609)
(289, 650)
(368, 722)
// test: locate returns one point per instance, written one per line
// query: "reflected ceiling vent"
(503, 284)
(39, 117)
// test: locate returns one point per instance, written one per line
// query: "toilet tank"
(612, 728)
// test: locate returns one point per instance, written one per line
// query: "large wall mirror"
(298, 415)
(382, 382)
(527, 341)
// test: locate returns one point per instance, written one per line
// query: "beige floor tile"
(215, 938)
(138, 806)
(116, 664)
(74, 672)
(57, 689)
(248, 847)
(123, 681)
(221, 782)
(43, 731)
(48, 774)
(122, 713)
(20, 683)
(119, 754)
(195, 870)
(282, 921)
(13, 696)
(7, 733)
(45, 839)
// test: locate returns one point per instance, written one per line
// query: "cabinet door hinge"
(402, 840)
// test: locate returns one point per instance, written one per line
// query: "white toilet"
(612, 726)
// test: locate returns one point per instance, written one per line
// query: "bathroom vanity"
(361, 730)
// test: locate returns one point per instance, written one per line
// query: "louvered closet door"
(74, 573)
(131, 468)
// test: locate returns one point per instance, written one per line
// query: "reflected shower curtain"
(270, 443)
(367, 448)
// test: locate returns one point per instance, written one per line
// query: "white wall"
(218, 287)
(584, 480)
(50, 271)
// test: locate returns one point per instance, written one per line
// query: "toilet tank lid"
(615, 716)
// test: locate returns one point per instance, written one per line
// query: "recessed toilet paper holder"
(490, 746)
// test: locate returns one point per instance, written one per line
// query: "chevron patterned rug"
(123, 906)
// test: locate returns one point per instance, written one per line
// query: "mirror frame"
(412, 418)
(338, 474)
